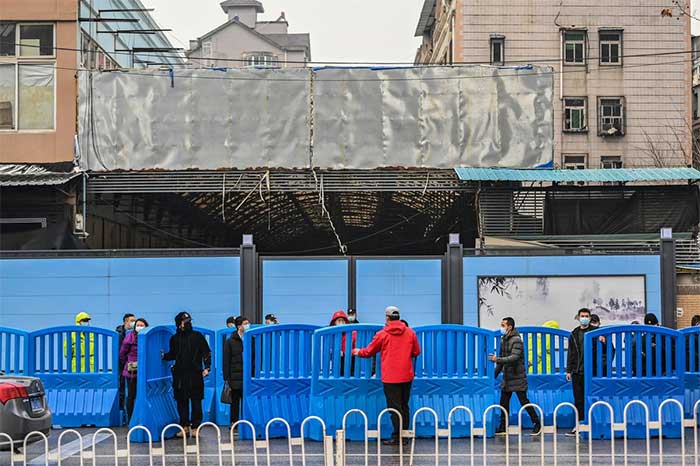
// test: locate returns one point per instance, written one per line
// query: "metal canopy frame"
(218, 181)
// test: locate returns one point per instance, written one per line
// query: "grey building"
(244, 40)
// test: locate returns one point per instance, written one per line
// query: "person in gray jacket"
(511, 362)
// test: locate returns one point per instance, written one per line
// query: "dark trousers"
(522, 398)
(236, 397)
(131, 397)
(579, 400)
(122, 387)
(183, 409)
(397, 397)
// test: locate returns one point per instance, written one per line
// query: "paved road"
(424, 453)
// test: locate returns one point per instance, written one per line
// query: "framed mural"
(536, 300)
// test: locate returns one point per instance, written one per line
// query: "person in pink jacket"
(398, 346)
(129, 354)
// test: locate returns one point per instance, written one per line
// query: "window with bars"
(574, 47)
(498, 50)
(610, 161)
(610, 47)
(575, 115)
(575, 161)
(611, 116)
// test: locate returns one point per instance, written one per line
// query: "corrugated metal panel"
(32, 175)
(588, 175)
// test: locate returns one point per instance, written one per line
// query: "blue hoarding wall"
(647, 266)
(304, 291)
(53, 291)
(413, 285)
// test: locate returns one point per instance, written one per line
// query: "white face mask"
(137, 329)
(339, 322)
(352, 318)
(246, 327)
(85, 323)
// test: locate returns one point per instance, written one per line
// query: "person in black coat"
(233, 366)
(511, 362)
(190, 351)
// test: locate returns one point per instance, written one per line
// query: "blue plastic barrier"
(155, 406)
(453, 370)
(340, 383)
(277, 376)
(210, 399)
(79, 369)
(691, 380)
(545, 361)
(646, 364)
(14, 352)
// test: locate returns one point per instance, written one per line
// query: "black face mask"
(188, 327)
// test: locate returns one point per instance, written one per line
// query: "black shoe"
(391, 441)
(536, 429)
(573, 433)
(501, 430)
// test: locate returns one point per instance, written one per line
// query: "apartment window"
(575, 47)
(610, 47)
(260, 60)
(575, 115)
(27, 77)
(575, 161)
(611, 161)
(206, 53)
(498, 50)
(611, 116)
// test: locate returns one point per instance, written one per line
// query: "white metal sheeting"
(333, 118)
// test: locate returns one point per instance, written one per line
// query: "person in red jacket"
(398, 346)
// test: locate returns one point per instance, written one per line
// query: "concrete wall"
(55, 145)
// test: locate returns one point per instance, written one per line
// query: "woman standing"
(129, 354)
(233, 366)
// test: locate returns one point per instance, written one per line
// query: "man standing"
(511, 362)
(352, 316)
(398, 346)
(190, 351)
(575, 363)
(233, 366)
(271, 319)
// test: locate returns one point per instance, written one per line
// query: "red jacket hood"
(395, 327)
(339, 315)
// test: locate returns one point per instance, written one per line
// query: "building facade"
(245, 41)
(622, 74)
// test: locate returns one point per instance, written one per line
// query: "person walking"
(575, 363)
(190, 351)
(233, 366)
(398, 346)
(511, 362)
(128, 352)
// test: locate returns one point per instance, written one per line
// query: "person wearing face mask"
(128, 352)
(271, 319)
(190, 351)
(230, 322)
(233, 366)
(511, 362)
(352, 316)
(126, 327)
(81, 342)
(340, 318)
(575, 363)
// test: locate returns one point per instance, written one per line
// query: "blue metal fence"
(14, 351)
(79, 367)
(453, 370)
(634, 362)
(340, 382)
(545, 351)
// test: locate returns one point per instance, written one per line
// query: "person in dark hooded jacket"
(511, 362)
(190, 351)
(233, 366)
